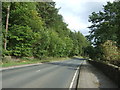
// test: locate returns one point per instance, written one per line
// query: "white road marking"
(12, 67)
(71, 85)
(37, 70)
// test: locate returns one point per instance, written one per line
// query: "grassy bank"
(23, 61)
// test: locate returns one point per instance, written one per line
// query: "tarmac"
(91, 77)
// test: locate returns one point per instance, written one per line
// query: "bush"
(7, 59)
(20, 40)
(110, 51)
(6, 52)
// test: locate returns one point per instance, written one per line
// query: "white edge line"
(71, 85)
(19, 66)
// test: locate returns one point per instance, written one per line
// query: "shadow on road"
(78, 58)
(94, 78)
(69, 64)
(65, 64)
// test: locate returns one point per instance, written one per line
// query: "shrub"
(110, 51)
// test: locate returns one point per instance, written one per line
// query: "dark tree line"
(105, 34)
(37, 30)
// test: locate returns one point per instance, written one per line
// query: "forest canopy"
(35, 29)
(105, 34)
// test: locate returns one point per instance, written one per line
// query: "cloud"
(76, 13)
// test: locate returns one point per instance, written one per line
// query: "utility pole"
(7, 21)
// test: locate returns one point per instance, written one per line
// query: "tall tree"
(37, 29)
(105, 31)
(105, 24)
(7, 8)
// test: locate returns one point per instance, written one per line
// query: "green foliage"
(26, 14)
(6, 52)
(41, 45)
(105, 30)
(105, 24)
(110, 50)
(37, 30)
(20, 40)
(90, 50)
(48, 12)
(54, 41)
(79, 43)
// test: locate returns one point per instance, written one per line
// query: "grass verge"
(31, 61)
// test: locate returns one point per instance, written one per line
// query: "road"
(58, 74)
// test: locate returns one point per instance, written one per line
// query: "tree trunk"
(7, 20)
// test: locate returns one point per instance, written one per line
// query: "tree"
(105, 24)
(7, 8)
(20, 40)
(36, 29)
(105, 31)
(110, 50)
(47, 12)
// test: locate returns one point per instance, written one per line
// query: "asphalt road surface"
(48, 75)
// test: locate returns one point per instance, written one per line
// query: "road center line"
(71, 85)
(37, 70)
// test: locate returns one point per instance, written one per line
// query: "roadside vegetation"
(36, 30)
(105, 34)
(26, 60)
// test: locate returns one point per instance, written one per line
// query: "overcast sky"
(76, 12)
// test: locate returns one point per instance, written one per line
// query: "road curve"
(48, 75)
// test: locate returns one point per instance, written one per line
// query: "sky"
(76, 12)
